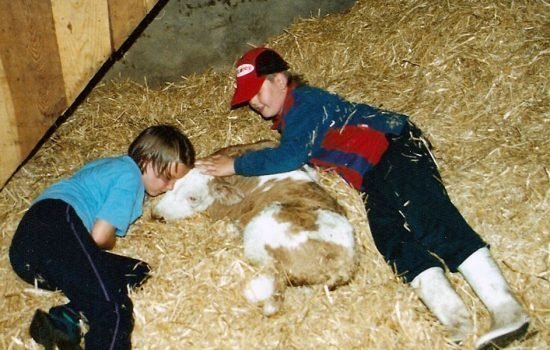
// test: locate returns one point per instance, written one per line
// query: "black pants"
(410, 214)
(52, 248)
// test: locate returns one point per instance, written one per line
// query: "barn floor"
(472, 75)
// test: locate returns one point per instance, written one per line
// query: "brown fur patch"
(315, 262)
(299, 200)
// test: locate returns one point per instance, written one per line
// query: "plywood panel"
(8, 130)
(124, 17)
(50, 50)
(32, 68)
(149, 4)
(82, 30)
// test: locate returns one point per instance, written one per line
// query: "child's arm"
(103, 233)
(217, 165)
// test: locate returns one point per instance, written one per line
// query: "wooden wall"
(49, 52)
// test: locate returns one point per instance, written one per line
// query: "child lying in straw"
(60, 240)
(384, 155)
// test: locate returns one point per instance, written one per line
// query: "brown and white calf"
(292, 228)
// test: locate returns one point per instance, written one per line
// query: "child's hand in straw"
(216, 165)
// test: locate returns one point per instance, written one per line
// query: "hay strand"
(473, 75)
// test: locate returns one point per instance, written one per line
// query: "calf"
(292, 228)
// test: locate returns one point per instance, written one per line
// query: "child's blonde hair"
(162, 145)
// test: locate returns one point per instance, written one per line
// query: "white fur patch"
(270, 308)
(259, 289)
(265, 230)
(189, 196)
(334, 228)
(296, 175)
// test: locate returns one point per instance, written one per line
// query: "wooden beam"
(9, 137)
(82, 30)
(125, 17)
(32, 70)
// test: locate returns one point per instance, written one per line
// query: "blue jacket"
(321, 128)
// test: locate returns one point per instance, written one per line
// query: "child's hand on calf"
(217, 165)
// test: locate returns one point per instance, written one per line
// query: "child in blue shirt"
(61, 241)
(384, 155)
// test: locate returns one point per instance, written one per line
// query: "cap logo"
(244, 69)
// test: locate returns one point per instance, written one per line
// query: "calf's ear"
(226, 194)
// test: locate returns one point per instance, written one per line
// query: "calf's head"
(190, 195)
(194, 193)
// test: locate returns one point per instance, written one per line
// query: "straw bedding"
(472, 74)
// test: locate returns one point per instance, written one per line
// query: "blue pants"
(54, 249)
(410, 214)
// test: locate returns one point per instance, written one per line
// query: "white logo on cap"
(244, 69)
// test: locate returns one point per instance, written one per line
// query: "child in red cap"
(384, 155)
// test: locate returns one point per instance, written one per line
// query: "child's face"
(156, 184)
(269, 101)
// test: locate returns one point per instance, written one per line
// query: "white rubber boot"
(509, 320)
(436, 293)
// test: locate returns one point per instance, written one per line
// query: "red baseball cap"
(252, 69)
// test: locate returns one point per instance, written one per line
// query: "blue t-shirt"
(110, 189)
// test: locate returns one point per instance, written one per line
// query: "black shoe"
(67, 320)
(49, 331)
